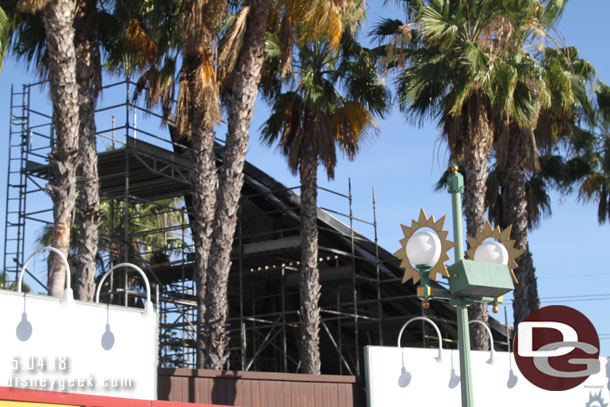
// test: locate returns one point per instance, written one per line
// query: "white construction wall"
(77, 347)
(414, 377)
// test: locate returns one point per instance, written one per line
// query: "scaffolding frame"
(362, 302)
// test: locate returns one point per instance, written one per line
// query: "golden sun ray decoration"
(503, 237)
(424, 222)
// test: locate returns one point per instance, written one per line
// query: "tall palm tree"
(222, 60)
(453, 54)
(239, 94)
(595, 145)
(93, 29)
(332, 104)
(559, 92)
(470, 52)
(198, 111)
(89, 77)
(58, 24)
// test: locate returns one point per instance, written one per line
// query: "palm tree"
(307, 18)
(30, 43)
(58, 23)
(332, 104)
(454, 52)
(466, 53)
(222, 55)
(89, 76)
(560, 88)
(595, 145)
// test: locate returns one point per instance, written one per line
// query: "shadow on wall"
(224, 389)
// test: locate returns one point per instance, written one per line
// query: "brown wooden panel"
(334, 397)
(318, 395)
(327, 390)
(163, 388)
(231, 394)
(294, 394)
(278, 391)
(253, 389)
(239, 390)
(217, 390)
(287, 394)
(185, 389)
(341, 395)
(257, 375)
(247, 389)
(263, 393)
(175, 389)
(255, 393)
(203, 391)
(309, 394)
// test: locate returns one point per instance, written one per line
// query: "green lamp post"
(484, 277)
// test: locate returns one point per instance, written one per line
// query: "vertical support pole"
(339, 333)
(254, 328)
(241, 289)
(126, 222)
(378, 281)
(135, 123)
(284, 344)
(127, 108)
(464, 349)
(354, 282)
(456, 188)
(112, 202)
(8, 189)
(113, 131)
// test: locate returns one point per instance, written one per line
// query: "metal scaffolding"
(146, 192)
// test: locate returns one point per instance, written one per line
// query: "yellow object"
(424, 222)
(425, 303)
(425, 292)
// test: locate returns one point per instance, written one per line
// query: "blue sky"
(404, 162)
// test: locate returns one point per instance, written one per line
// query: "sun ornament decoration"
(501, 235)
(424, 222)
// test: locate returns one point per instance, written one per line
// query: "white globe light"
(424, 247)
(491, 252)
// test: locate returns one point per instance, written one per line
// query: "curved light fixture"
(423, 241)
(68, 294)
(148, 308)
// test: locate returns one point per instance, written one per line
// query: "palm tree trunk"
(57, 18)
(240, 103)
(526, 298)
(475, 168)
(89, 216)
(203, 191)
(309, 279)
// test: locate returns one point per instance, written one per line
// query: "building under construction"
(363, 301)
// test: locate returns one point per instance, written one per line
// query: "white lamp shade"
(424, 247)
(491, 252)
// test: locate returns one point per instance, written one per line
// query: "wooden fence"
(245, 389)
